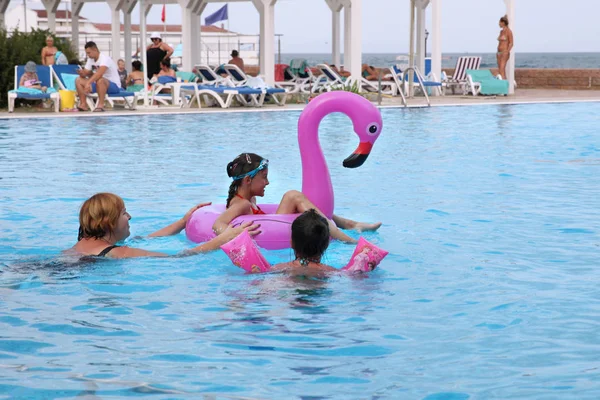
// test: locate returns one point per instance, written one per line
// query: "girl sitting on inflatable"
(104, 221)
(249, 173)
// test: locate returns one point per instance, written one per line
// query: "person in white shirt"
(100, 75)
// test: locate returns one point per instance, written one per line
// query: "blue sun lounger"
(65, 75)
(45, 76)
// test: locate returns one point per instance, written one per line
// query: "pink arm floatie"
(244, 253)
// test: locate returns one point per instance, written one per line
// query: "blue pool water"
(491, 216)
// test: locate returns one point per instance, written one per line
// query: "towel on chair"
(298, 66)
(28, 90)
(166, 79)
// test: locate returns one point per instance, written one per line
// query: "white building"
(216, 42)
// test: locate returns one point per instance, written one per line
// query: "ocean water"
(522, 60)
(490, 291)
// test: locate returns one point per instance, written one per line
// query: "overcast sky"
(467, 25)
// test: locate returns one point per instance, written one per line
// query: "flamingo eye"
(373, 129)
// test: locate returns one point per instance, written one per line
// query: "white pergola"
(192, 10)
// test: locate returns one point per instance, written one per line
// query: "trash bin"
(67, 99)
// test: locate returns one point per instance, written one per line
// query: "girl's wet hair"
(136, 65)
(99, 215)
(166, 62)
(504, 20)
(241, 165)
(310, 235)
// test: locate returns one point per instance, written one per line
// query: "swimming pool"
(491, 215)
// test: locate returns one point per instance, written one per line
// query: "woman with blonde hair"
(104, 221)
(505, 45)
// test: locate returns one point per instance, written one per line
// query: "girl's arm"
(234, 210)
(228, 234)
(22, 80)
(178, 225)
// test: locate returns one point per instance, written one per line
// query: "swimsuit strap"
(106, 250)
(256, 210)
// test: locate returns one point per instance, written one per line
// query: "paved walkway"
(521, 96)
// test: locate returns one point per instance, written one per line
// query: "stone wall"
(553, 78)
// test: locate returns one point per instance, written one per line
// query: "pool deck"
(521, 96)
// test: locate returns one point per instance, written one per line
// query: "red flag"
(163, 16)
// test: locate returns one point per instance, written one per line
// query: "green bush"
(19, 47)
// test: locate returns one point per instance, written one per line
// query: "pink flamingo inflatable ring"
(316, 182)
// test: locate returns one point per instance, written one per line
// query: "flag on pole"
(220, 15)
(163, 16)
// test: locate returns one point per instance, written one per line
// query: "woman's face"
(122, 229)
(49, 42)
(259, 183)
(501, 24)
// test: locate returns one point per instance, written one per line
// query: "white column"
(186, 33)
(266, 9)
(3, 7)
(336, 7)
(356, 39)
(197, 50)
(143, 35)
(420, 61)
(115, 13)
(510, 68)
(436, 39)
(127, 39)
(347, 37)
(51, 6)
(76, 6)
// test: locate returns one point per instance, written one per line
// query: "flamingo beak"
(359, 156)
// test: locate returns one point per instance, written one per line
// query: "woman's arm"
(510, 40)
(130, 252)
(228, 234)
(235, 210)
(167, 48)
(44, 56)
(178, 225)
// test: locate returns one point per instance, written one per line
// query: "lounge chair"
(429, 81)
(221, 95)
(335, 80)
(209, 77)
(300, 77)
(481, 81)
(64, 77)
(45, 76)
(240, 79)
(459, 79)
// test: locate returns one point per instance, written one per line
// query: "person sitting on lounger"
(30, 79)
(236, 60)
(135, 80)
(165, 69)
(100, 75)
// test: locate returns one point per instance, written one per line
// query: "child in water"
(310, 239)
(249, 173)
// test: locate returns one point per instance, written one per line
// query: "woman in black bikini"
(505, 45)
(104, 221)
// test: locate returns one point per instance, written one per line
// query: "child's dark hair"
(166, 62)
(241, 165)
(136, 65)
(310, 235)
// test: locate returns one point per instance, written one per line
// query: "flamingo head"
(367, 122)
